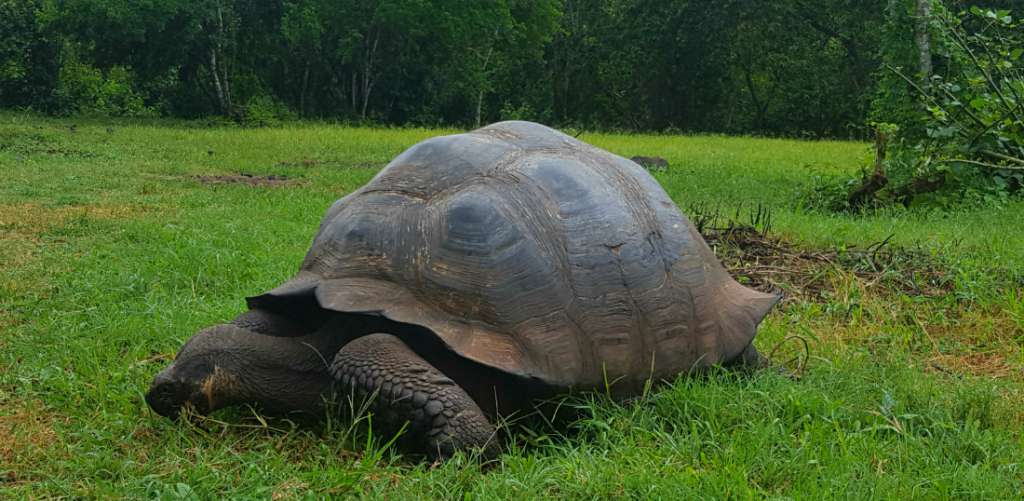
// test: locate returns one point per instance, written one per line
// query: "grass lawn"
(120, 240)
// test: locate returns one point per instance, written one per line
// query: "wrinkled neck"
(279, 373)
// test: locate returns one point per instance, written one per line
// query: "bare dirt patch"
(771, 264)
(35, 218)
(246, 179)
(309, 162)
(305, 162)
(992, 365)
(870, 293)
(23, 145)
(981, 341)
(26, 437)
(22, 224)
(16, 252)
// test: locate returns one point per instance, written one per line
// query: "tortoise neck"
(278, 373)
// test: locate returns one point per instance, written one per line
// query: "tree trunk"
(923, 38)
(367, 88)
(302, 93)
(223, 63)
(876, 181)
(354, 87)
(758, 108)
(483, 74)
(918, 186)
(217, 85)
(218, 67)
(369, 78)
(479, 105)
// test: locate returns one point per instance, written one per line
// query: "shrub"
(84, 89)
(961, 139)
(264, 111)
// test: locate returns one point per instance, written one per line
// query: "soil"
(243, 178)
(309, 162)
(771, 264)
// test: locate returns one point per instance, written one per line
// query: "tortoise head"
(226, 365)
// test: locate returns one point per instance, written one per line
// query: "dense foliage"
(785, 67)
(790, 67)
(970, 135)
(950, 129)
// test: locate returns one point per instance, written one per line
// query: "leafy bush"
(84, 89)
(264, 111)
(973, 118)
(522, 111)
(961, 139)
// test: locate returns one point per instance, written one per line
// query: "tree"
(303, 34)
(219, 24)
(29, 66)
(923, 39)
(786, 67)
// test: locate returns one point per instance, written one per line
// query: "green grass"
(112, 254)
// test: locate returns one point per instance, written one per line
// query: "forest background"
(796, 68)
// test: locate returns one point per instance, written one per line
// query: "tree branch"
(1001, 156)
(931, 98)
(979, 164)
(962, 43)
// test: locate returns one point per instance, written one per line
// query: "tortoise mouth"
(168, 396)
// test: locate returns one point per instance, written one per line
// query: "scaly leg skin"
(406, 388)
(751, 360)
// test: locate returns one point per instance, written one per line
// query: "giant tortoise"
(474, 274)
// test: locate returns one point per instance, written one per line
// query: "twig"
(807, 351)
(960, 41)
(929, 97)
(874, 248)
(1001, 156)
(980, 164)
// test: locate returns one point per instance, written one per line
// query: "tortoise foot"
(405, 388)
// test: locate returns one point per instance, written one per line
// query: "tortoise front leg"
(750, 359)
(406, 388)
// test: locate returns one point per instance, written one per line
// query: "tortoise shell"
(529, 251)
